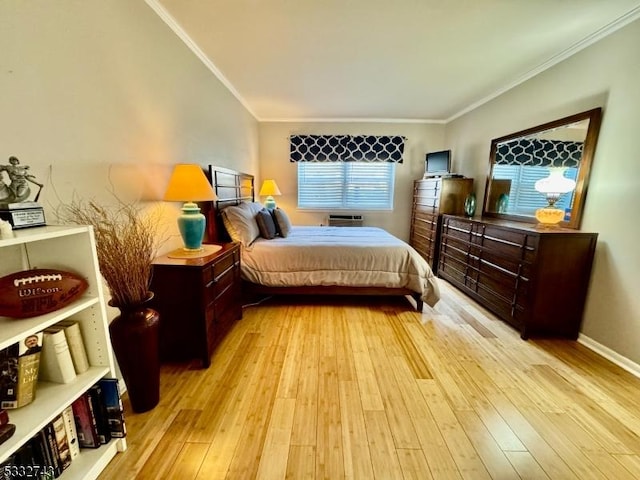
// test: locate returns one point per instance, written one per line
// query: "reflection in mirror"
(521, 159)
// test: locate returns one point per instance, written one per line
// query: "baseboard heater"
(345, 220)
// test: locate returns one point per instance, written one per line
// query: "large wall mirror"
(519, 160)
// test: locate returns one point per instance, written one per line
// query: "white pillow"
(240, 222)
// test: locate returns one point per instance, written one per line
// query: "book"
(44, 451)
(9, 376)
(72, 434)
(97, 405)
(85, 422)
(52, 445)
(56, 364)
(19, 375)
(73, 334)
(4, 417)
(42, 469)
(61, 441)
(113, 407)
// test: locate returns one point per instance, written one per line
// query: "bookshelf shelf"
(72, 249)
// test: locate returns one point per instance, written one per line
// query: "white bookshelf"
(70, 249)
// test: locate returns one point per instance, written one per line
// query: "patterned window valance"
(542, 153)
(346, 148)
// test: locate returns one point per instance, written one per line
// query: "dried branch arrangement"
(126, 241)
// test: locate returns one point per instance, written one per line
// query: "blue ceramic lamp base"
(191, 225)
(270, 203)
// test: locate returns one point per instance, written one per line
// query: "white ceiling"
(423, 60)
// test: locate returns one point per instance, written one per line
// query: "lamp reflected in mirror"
(553, 187)
(269, 189)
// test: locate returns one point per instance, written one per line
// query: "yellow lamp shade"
(269, 187)
(189, 184)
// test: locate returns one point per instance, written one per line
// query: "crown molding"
(179, 31)
(352, 120)
(605, 31)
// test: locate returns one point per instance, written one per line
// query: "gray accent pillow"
(283, 224)
(266, 225)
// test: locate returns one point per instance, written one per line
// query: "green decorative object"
(503, 203)
(470, 205)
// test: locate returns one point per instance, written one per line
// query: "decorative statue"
(18, 189)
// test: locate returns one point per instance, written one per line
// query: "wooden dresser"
(198, 300)
(433, 197)
(534, 278)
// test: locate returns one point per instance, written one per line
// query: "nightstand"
(198, 300)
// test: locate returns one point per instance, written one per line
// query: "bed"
(318, 260)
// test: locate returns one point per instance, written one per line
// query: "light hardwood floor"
(370, 388)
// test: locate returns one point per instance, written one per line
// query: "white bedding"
(343, 256)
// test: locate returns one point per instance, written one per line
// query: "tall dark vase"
(135, 340)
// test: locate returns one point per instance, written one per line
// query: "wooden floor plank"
(328, 387)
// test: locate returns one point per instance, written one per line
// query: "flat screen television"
(438, 163)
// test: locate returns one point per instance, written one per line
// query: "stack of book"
(63, 353)
(92, 420)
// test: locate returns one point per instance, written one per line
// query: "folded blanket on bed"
(343, 256)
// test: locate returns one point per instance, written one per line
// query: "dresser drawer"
(509, 243)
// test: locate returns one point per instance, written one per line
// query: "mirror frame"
(594, 116)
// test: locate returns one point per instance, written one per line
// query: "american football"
(35, 292)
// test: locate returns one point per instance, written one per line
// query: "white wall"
(97, 91)
(274, 163)
(607, 74)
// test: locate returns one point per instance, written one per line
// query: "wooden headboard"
(231, 188)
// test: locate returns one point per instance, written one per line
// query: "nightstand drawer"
(212, 272)
(217, 286)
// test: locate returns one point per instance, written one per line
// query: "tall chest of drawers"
(198, 300)
(534, 278)
(433, 197)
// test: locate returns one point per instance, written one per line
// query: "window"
(346, 185)
(524, 199)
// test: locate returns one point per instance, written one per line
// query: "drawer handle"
(224, 272)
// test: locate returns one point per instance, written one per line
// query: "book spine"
(113, 406)
(9, 376)
(96, 404)
(56, 364)
(72, 434)
(85, 423)
(61, 442)
(53, 449)
(45, 452)
(76, 346)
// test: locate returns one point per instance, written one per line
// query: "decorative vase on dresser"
(534, 278)
(433, 197)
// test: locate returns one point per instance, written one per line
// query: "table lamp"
(268, 189)
(553, 186)
(188, 184)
